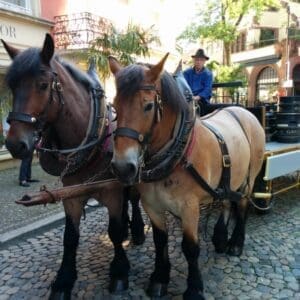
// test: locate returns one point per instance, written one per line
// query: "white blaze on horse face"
(131, 154)
(126, 164)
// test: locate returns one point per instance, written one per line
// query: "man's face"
(199, 62)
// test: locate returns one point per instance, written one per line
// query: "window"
(22, 6)
(267, 85)
(267, 37)
(239, 44)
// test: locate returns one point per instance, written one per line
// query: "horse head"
(145, 96)
(32, 83)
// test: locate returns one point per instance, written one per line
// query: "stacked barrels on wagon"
(282, 122)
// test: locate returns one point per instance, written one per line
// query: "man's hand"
(196, 98)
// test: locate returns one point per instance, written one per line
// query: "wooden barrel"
(288, 120)
(270, 121)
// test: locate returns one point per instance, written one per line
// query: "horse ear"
(179, 68)
(12, 52)
(155, 71)
(114, 65)
(48, 49)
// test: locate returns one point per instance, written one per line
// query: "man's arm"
(207, 90)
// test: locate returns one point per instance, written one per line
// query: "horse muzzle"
(125, 171)
(19, 149)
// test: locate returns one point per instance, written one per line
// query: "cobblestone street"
(14, 216)
(268, 269)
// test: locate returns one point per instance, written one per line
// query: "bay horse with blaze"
(179, 160)
(55, 101)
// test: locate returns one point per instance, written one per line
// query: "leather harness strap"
(223, 191)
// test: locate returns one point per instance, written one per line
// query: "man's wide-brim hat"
(200, 54)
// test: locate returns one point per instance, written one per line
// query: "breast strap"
(223, 191)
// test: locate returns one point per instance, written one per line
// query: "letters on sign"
(7, 31)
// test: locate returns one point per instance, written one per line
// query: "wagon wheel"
(261, 206)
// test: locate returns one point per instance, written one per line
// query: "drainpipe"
(288, 84)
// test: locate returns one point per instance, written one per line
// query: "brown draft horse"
(149, 104)
(65, 106)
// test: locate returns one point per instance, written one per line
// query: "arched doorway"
(267, 85)
(296, 79)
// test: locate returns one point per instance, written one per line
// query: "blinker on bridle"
(37, 121)
(135, 135)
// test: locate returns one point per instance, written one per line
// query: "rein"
(97, 134)
(76, 149)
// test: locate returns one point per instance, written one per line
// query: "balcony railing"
(253, 45)
(76, 31)
(260, 44)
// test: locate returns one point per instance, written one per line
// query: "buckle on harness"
(226, 161)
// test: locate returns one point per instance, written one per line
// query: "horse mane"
(28, 63)
(130, 78)
(77, 74)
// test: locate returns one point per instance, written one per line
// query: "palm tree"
(126, 46)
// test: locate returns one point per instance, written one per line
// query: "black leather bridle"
(142, 139)
(39, 121)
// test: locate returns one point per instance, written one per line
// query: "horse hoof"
(157, 290)
(193, 295)
(220, 248)
(138, 240)
(234, 250)
(60, 295)
(220, 242)
(118, 285)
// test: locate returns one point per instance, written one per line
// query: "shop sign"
(7, 31)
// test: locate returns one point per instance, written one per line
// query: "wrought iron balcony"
(76, 31)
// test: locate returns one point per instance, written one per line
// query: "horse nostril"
(23, 146)
(131, 169)
(124, 169)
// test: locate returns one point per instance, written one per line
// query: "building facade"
(269, 50)
(22, 26)
(73, 24)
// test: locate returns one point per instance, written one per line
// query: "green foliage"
(2, 139)
(124, 45)
(224, 73)
(5, 101)
(219, 19)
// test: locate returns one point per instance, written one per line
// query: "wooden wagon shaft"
(52, 196)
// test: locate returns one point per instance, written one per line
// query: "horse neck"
(163, 130)
(73, 119)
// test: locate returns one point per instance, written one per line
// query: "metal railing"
(78, 30)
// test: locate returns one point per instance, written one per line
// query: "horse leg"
(137, 223)
(160, 278)
(119, 267)
(125, 215)
(66, 276)
(236, 242)
(220, 236)
(191, 250)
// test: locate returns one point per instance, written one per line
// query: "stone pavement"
(14, 216)
(268, 269)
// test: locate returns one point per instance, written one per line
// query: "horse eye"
(148, 107)
(43, 86)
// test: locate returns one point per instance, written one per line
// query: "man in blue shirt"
(200, 79)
